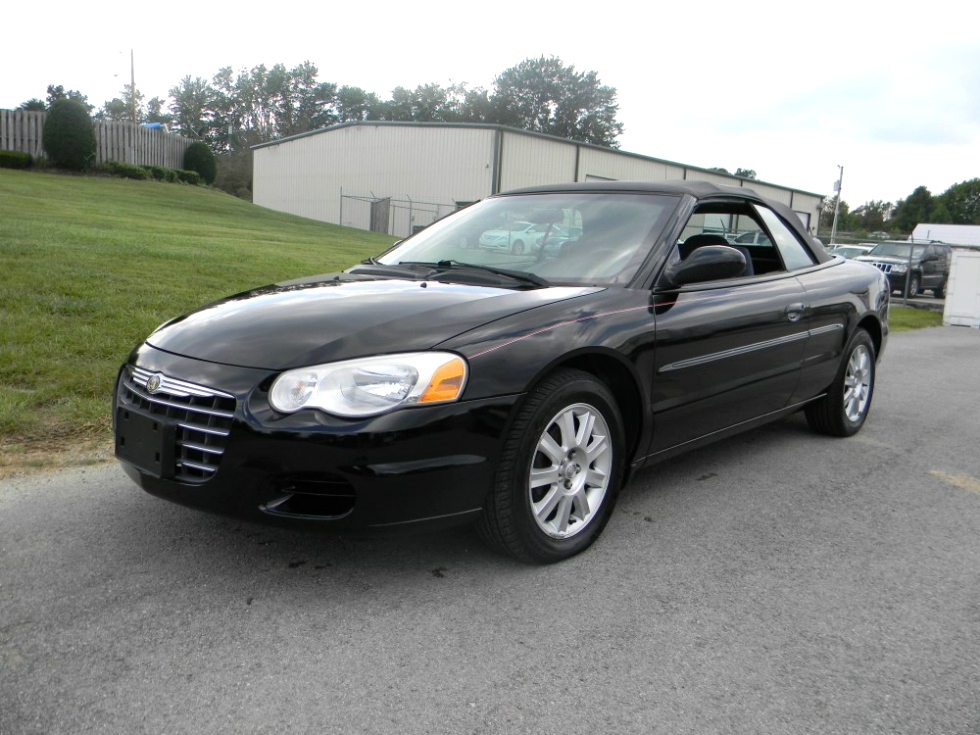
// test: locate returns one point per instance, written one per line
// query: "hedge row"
(147, 173)
(15, 159)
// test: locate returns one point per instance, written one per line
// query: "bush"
(15, 159)
(200, 158)
(189, 177)
(69, 138)
(161, 173)
(125, 170)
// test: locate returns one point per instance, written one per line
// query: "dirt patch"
(47, 453)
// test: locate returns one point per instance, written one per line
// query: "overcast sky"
(887, 90)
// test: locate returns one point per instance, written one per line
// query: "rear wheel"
(518, 247)
(940, 290)
(559, 473)
(843, 410)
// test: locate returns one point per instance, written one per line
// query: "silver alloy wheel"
(857, 383)
(570, 471)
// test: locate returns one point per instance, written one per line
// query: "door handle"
(794, 312)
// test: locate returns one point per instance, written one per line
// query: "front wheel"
(843, 410)
(559, 473)
(913, 289)
(518, 247)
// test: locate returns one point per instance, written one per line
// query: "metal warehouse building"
(396, 177)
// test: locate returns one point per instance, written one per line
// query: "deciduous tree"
(546, 96)
(962, 202)
(915, 208)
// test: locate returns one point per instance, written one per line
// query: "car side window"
(732, 224)
(793, 253)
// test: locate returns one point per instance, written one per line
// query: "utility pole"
(132, 85)
(837, 188)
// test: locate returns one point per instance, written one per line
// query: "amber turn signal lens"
(447, 382)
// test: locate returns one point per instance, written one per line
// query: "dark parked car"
(434, 385)
(912, 267)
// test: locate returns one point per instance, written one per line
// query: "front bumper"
(417, 467)
(898, 281)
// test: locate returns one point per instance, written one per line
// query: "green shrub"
(161, 173)
(69, 138)
(15, 159)
(125, 170)
(200, 158)
(189, 177)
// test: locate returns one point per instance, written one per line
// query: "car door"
(726, 353)
(932, 262)
(729, 351)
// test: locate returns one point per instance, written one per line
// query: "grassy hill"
(89, 266)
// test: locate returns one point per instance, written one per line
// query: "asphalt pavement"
(779, 582)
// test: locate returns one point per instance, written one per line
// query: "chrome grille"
(885, 268)
(202, 416)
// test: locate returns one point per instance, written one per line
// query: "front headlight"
(371, 385)
(899, 268)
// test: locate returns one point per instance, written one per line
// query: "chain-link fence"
(398, 216)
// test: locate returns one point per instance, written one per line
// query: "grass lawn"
(89, 266)
(904, 318)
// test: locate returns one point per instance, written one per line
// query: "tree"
(353, 104)
(962, 202)
(477, 106)
(121, 109)
(870, 216)
(193, 107)
(915, 208)
(33, 105)
(115, 110)
(845, 220)
(745, 173)
(546, 96)
(155, 113)
(425, 103)
(299, 102)
(58, 92)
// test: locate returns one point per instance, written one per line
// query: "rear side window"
(794, 254)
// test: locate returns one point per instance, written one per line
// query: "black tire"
(843, 410)
(913, 289)
(518, 247)
(939, 291)
(573, 508)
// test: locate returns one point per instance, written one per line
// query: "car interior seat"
(698, 241)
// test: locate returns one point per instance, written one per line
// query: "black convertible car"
(443, 383)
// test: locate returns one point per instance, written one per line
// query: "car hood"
(335, 318)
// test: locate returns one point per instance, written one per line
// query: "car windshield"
(562, 238)
(897, 250)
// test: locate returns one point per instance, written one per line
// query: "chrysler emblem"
(153, 382)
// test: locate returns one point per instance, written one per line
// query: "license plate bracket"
(146, 442)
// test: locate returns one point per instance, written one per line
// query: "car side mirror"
(708, 263)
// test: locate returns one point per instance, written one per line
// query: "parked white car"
(517, 237)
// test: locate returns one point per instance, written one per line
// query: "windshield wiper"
(372, 267)
(519, 276)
